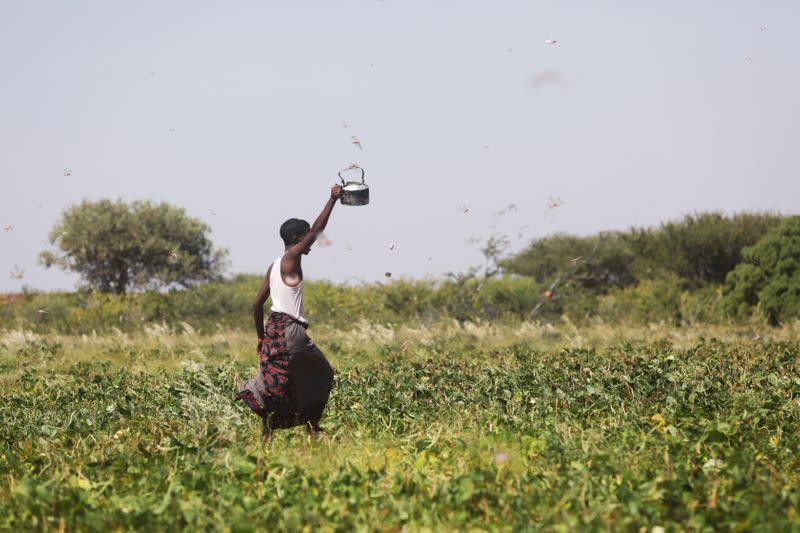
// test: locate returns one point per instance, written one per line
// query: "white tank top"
(285, 299)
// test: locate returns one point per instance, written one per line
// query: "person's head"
(293, 230)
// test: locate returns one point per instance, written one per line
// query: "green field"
(469, 427)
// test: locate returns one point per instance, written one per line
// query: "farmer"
(294, 377)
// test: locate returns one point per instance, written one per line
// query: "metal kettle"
(354, 192)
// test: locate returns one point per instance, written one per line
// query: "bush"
(651, 300)
(579, 305)
(700, 250)
(598, 263)
(702, 305)
(661, 300)
(509, 296)
(228, 305)
(769, 277)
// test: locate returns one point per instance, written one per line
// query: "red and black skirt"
(294, 378)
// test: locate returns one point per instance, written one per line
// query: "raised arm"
(258, 306)
(316, 228)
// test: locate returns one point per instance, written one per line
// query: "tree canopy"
(768, 279)
(116, 246)
(598, 262)
(698, 251)
(701, 248)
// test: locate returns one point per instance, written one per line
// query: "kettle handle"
(359, 168)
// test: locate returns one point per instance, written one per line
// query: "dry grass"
(161, 347)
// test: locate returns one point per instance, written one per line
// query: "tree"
(116, 246)
(702, 248)
(597, 263)
(768, 277)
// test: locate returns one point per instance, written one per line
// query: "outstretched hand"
(336, 192)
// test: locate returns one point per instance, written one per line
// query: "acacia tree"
(115, 246)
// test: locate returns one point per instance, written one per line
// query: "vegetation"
(471, 428)
(672, 273)
(597, 263)
(224, 306)
(699, 250)
(601, 278)
(769, 277)
(474, 403)
(115, 246)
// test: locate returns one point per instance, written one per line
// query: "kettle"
(353, 192)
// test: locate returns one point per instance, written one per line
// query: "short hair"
(293, 228)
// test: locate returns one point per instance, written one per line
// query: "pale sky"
(640, 112)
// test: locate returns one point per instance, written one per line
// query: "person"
(294, 378)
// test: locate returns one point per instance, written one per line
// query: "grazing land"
(454, 426)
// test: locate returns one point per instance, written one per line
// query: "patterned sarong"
(294, 377)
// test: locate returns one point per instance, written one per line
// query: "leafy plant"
(636, 435)
(115, 246)
(700, 250)
(768, 279)
(598, 263)
(651, 300)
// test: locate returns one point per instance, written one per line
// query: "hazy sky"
(237, 112)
